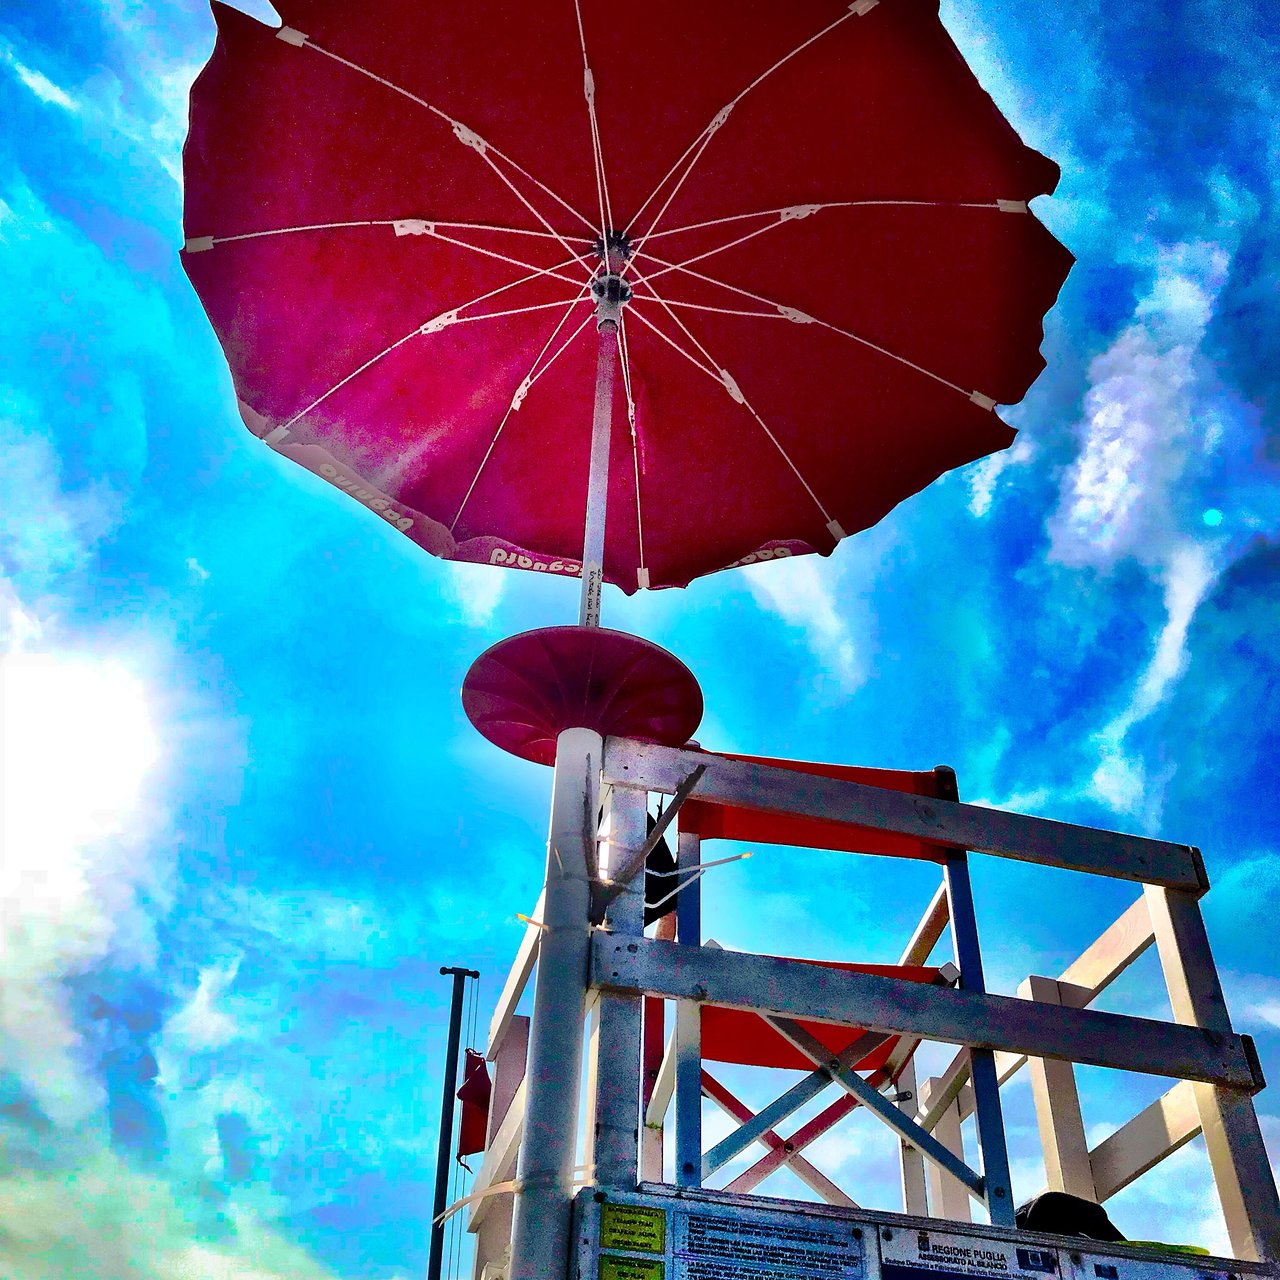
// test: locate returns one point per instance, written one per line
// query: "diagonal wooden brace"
(788, 1103)
(784, 1151)
(876, 1102)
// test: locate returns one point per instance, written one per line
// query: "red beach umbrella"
(805, 220)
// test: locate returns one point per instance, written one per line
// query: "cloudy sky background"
(245, 820)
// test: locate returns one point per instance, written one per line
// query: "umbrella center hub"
(610, 289)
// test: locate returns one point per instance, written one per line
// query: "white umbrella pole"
(598, 477)
(543, 1205)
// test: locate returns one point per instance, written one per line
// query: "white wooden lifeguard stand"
(596, 965)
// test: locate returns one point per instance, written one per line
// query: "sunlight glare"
(76, 745)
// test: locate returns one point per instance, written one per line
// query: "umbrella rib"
(671, 342)
(800, 317)
(277, 434)
(434, 325)
(857, 9)
(514, 311)
(468, 137)
(401, 465)
(597, 151)
(798, 212)
(727, 381)
(404, 227)
(502, 257)
(642, 573)
(521, 391)
(1003, 206)
(726, 311)
(195, 244)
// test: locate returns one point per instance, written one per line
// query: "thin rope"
(803, 318)
(518, 398)
(839, 204)
(718, 120)
(443, 321)
(458, 126)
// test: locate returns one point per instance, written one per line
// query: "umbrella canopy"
(395, 212)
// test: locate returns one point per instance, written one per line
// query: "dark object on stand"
(1058, 1214)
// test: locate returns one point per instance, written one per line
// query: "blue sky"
(246, 821)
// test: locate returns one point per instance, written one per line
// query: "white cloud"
(801, 592)
(203, 1023)
(77, 744)
(475, 590)
(1153, 423)
(1147, 421)
(1120, 779)
(45, 531)
(102, 1221)
(39, 84)
(984, 477)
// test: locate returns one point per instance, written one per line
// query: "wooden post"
(1241, 1169)
(948, 1196)
(492, 1227)
(654, 1052)
(615, 1113)
(912, 1163)
(1053, 1086)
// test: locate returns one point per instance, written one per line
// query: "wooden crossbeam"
(1097, 967)
(794, 988)
(962, 826)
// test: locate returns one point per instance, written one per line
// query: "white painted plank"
(963, 826)
(794, 988)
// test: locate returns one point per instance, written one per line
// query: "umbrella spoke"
(468, 137)
(671, 342)
(197, 244)
(597, 151)
(801, 317)
(700, 143)
(523, 390)
(729, 383)
(1005, 206)
(405, 227)
(434, 325)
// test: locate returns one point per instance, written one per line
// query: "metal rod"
(598, 477)
(445, 1146)
(541, 1229)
